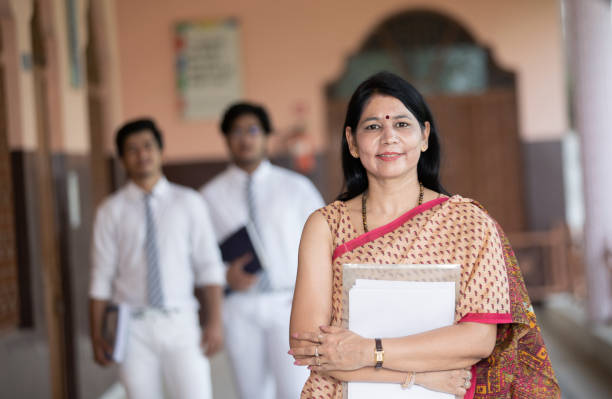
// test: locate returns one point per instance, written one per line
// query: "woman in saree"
(394, 210)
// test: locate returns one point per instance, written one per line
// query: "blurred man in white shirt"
(275, 202)
(153, 247)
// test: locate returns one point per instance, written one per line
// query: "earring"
(424, 149)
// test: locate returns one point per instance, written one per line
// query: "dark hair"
(137, 126)
(238, 109)
(386, 83)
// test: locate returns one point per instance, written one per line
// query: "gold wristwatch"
(379, 353)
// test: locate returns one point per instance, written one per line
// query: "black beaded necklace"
(364, 199)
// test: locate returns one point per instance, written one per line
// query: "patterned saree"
(453, 230)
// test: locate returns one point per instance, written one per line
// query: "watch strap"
(379, 353)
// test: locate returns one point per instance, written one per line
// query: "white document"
(387, 309)
(115, 329)
(123, 328)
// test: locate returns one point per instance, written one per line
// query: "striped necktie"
(251, 202)
(264, 280)
(155, 294)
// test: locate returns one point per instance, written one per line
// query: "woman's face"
(388, 138)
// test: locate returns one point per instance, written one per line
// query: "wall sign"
(208, 73)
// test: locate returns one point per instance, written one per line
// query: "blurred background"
(521, 91)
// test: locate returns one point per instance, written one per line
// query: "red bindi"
(387, 117)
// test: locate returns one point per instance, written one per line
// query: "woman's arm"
(455, 382)
(445, 348)
(312, 299)
(342, 351)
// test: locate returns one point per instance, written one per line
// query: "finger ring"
(469, 377)
(467, 384)
(317, 361)
(316, 351)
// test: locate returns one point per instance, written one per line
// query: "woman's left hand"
(333, 348)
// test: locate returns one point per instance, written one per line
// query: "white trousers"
(257, 341)
(163, 357)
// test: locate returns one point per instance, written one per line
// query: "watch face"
(379, 356)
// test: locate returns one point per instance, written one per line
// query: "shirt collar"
(160, 188)
(263, 168)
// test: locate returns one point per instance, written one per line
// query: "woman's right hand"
(455, 382)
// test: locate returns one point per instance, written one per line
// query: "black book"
(238, 244)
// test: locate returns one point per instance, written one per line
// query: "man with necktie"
(155, 251)
(275, 203)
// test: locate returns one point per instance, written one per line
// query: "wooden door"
(9, 303)
(97, 101)
(481, 152)
(56, 311)
(336, 112)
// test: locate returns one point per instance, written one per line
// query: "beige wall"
(291, 49)
(73, 100)
(68, 105)
(21, 119)
(108, 45)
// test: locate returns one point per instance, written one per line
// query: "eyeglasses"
(252, 130)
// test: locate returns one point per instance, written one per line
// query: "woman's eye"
(403, 124)
(372, 127)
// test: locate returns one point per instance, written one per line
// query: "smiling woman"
(388, 145)
(391, 158)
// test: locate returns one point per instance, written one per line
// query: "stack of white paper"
(123, 326)
(388, 309)
(115, 329)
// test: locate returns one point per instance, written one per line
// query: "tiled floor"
(223, 387)
(580, 376)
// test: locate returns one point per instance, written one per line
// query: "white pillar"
(589, 37)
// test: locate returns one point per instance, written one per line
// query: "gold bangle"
(408, 384)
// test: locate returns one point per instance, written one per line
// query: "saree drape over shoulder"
(453, 230)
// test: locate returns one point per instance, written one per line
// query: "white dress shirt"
(283, 200)
(187, 251)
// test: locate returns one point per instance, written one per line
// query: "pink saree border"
(472, 391)
(487, 318)
(384, 229)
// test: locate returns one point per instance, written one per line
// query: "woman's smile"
(389, 156)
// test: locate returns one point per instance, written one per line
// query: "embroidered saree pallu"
(452, 230)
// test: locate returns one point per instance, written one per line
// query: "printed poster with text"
(207, 67)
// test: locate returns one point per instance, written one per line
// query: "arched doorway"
(472, 98)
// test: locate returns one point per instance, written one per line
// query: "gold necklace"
(364, 199)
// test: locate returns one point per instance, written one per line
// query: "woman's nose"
(388, 133)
